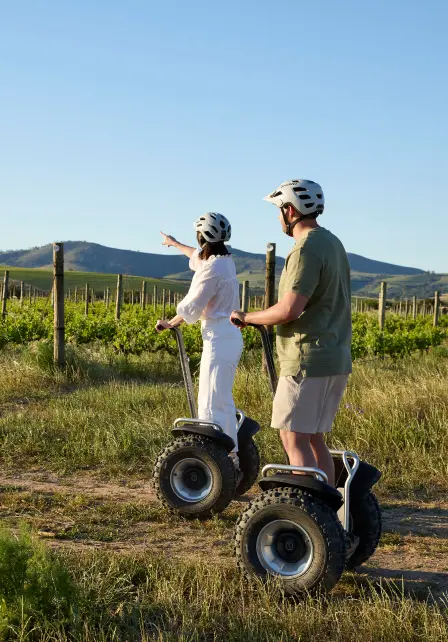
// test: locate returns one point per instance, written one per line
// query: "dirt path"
(127, 518)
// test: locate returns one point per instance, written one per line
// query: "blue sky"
(118, 119)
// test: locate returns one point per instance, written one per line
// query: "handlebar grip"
(240, 324)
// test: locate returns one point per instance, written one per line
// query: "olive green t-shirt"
(317, 344)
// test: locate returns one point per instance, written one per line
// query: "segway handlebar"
(267, 348)
(185, 365)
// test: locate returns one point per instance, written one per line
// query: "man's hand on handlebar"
(162, 325)
(238, 318)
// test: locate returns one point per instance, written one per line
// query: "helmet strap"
(289, 226)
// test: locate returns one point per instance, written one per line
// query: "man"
(313, 315)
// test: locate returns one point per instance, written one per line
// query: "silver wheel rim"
(284, 548)
(191, 480)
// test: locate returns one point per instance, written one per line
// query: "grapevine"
(135, 332)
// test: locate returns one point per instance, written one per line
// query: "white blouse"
(214, 291)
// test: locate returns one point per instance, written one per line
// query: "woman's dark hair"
(211, 249)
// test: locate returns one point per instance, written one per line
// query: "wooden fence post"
(58, 304)
(414, 307)
(22, 290)
(245, 296)
(143, 296)
(86, 300)
(269, 292)
(436, 308)
(382, 304)
(163, 303)
(154, 298)
(5, 292)
(119, 296)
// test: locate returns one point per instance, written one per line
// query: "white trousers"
(221, 353)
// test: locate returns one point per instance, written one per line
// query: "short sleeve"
(303, 270)
(195, 261)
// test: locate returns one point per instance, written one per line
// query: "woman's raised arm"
(170, 241)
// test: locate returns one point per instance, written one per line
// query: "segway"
(301, 530)
(194, 475)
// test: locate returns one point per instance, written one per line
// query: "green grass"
(43, 280)
(113, 414)
(103, 596)
(107, 416)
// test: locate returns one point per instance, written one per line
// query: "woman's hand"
(162, 325)
(168, 240)
(238, 318)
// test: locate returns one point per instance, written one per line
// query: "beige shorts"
(307, 404)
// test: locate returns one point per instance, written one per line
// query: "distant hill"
(91, 257)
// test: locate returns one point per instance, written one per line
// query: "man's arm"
(290, 307)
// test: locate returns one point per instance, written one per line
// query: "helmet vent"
(304, 197)
(319, 195)
(300, 189)
(308, 205)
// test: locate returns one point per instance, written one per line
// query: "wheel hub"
(284, 548)
(191, 480)
(194, 478)
(290, 546)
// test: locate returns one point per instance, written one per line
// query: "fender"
(205, 431)
(365, 477)
(331, 496)
(248, 429)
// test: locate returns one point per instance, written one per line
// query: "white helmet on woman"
(306, 197)
(213, 227)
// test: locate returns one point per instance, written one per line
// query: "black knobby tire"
(249, 465)
(366, 523)
(321, 525)
(223, 474)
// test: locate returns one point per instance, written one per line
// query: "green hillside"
(98, 265)
(43, 279)
(419, 285)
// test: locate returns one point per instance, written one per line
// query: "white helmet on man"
(306, 197)
(213, 227)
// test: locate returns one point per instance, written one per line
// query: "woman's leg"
(220, 358)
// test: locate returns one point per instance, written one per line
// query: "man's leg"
(298, 448)
(323, 456)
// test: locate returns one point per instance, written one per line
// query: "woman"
(213, 295)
